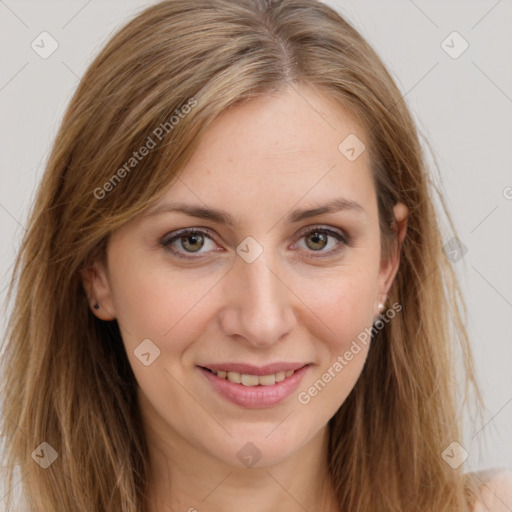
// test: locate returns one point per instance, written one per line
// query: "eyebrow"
(222, 217)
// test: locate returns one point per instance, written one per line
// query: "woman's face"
(277, 280)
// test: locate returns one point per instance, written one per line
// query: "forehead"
(274, 150)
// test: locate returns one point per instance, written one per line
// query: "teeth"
(267, 380)
(280, 376)
(254, 380)
(250, 380)
(235, 377)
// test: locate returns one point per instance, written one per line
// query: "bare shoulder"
(496, 490)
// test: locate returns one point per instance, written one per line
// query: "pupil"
(318, 237)
(194, 239)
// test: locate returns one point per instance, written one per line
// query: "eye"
(318, 238)
(189, 241)
(192, 240)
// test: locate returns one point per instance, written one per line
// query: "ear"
(389, 268)
(96, 283)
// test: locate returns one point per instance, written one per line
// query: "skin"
(259, 161)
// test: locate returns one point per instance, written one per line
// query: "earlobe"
(97, 289)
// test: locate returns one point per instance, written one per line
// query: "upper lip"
(250, 369)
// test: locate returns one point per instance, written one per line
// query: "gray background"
(463, 107)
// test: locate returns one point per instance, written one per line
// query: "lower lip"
(255, 396)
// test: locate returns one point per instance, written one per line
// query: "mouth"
(252, 386)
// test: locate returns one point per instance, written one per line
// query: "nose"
(257, 303)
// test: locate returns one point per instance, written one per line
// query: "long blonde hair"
(66, 378)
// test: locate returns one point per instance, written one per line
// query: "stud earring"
(381, 307)
(96, 306)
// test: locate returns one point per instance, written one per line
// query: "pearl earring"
(381, 307)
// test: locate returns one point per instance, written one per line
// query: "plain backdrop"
(461, 101)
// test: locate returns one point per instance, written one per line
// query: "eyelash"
(166, 241)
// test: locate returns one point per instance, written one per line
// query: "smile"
(252, 387)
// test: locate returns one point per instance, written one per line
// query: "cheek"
(343, 349)
(344, 304)
(153, 302)
(345, 310)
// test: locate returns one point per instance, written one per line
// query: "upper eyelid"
(184, 231)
